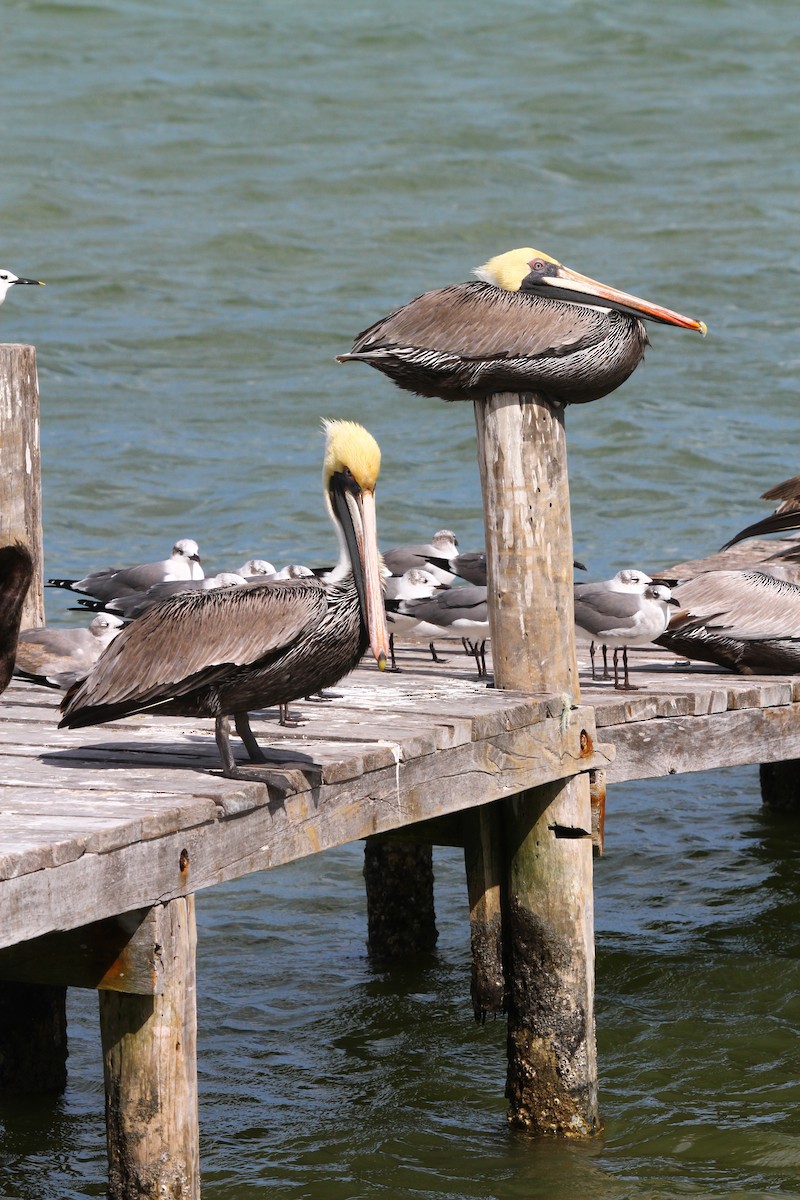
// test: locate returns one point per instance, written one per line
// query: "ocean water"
(219, 197)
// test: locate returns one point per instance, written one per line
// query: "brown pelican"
(8, 279)
(60, 657)
(527, 324)
(224, 652)
(16, 572)
(111, 582)
(747, 620)
(786, 514)
(628, 610)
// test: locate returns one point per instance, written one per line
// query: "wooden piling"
(548, 929)
(484, 861)
(20, 467)
(150, 1065)
(522, 457)
(400, 911)
(780, 785)
(33, 1038)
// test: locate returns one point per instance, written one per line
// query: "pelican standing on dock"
(224, 652)
(527, 324)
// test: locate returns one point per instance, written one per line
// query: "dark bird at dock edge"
(526, 324)
(16, 572)
(225, 652)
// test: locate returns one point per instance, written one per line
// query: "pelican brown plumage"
(222, 653)
(746, 620)
(527, 324)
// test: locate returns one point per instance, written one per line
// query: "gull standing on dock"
(527, 324)
(225, 652)
(452, 613)
(8, 280)
(628, 610)
(431, 556)
(60, 657)
(111, 582)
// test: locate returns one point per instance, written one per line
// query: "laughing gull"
(8, 279)
(453, 613)
(136, 603)
(414, 584)
(432, 556)
(628, 610)
(747, 620)
(110, 583)
(60, 657)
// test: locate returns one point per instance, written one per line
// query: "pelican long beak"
(565, 284)
(367, 536)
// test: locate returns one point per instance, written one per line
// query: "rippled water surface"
(219, 196)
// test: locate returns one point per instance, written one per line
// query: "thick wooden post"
(522, 456)
(484, 861)
(552, 1061)
(150, 1062)
(400, 912)
(20, 467)
(548, 928)
(33, 1038)
(780, 785)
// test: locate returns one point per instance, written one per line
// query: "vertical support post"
(780, 785)
(522, 456)
(552, 1067)
(399, 882)
(20, 468)
(483, 858)
(33, 1038)
(548, 927)
(150, 1065)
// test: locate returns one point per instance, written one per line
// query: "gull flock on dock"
(169, 638)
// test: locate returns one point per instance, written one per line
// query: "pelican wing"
(477, 321)
(190, 640)
(747, 605)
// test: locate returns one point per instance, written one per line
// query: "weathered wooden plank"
(96, 886)
(121, 954)
(679, 745)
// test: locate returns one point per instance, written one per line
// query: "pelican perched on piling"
(224, 652)
(527, 324)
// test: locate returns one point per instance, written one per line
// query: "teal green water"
(219, 196)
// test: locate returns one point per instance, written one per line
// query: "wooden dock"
(101, 821)
(107, 833)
